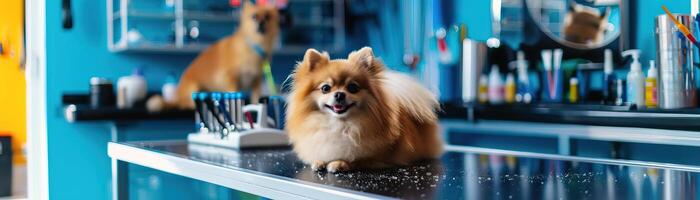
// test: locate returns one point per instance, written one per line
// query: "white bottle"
(131, 89)
(169, 90)
(495, 86)
(635, 79)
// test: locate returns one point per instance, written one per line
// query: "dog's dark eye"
(326, 89)
(353, 88)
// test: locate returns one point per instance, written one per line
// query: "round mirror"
(581, 24)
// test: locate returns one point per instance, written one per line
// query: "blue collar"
(258, 49)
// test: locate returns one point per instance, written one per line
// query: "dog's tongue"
(338, 107)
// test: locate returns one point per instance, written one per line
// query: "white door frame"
(35, 75)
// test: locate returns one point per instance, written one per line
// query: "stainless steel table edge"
(635, 163)
(266, 185)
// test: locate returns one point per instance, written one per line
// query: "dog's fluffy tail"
(411, 96)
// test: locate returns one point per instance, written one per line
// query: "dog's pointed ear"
(365, 59)
(605, 14)
(314, 59)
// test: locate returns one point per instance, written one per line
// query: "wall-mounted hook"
(67, 14)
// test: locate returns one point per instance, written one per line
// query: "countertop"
(461, 173)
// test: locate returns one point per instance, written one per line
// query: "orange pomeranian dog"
(354, 113)
(234, 63)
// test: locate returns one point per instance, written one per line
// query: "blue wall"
(78, 164)
(646, 11)
(79, 167)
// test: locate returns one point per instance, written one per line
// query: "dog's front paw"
(318, 165)
(338, 166)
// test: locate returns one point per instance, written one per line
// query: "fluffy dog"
(353, 113)
(585, 25)
(234, 63)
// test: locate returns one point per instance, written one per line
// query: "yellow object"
(680, 26)
(12, 83)
(483, 90)
(510, 89)
(650, 93)
(573, 90)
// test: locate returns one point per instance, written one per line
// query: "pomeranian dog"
(234, 63)
(353, 113)
(585, 25)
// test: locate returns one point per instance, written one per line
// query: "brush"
(682, 28)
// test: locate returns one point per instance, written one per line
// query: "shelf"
(162, 48)
(188, 15)
(685, 119)
(77, 109)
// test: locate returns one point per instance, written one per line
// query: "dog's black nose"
(339, 96)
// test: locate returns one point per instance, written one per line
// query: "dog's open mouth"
(340, 108)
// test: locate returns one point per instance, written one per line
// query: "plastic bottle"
(483, 95)
(635, 79)
(523, 86)
(650, 86)
(169, 89)
(573, 90)
(131, 89)
(608, 78)
(495, 86)
(510, 88)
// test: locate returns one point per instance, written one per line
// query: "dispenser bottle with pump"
(651, 92)
(608, 78)
(635, 79)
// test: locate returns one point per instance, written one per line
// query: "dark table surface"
(468, 173)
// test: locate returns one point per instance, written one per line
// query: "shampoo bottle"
(650, 86)
(635, 80)
(495, 86)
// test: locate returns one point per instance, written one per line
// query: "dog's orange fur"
(389, 132)
(231, 64)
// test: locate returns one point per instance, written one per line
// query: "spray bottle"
(635, 79)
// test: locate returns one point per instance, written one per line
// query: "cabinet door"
(12, 82)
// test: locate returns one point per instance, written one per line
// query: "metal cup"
(474, 58)
(676, 88)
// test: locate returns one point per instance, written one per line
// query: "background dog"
(234, 63)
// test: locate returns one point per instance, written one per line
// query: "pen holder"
(223, 119)
(676, 88)
(553, 86)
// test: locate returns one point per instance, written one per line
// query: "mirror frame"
(620, 42)
(528, 9)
